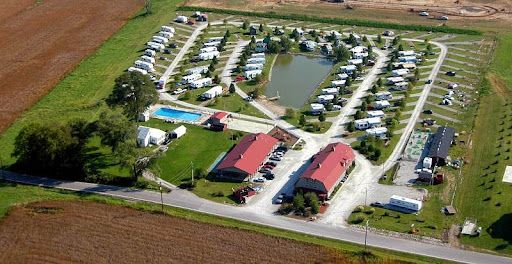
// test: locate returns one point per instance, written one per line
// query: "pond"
(296, 77)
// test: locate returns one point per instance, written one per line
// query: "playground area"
(416, 145)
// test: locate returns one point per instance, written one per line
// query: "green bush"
(359, 219)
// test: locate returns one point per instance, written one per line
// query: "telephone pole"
(192, 171)
(366, 235)
(161, 195)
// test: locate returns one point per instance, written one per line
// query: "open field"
(82, 92)
(43, 41)
(12, 194)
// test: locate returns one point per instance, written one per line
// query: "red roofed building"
(329, 166)
(246, 158)
(217, 121)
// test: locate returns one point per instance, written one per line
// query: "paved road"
(186, 200)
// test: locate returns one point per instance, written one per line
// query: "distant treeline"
(351, 22)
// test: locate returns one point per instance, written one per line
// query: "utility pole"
(161, 195)
(365, 196)
(366, 235)
(192, 171)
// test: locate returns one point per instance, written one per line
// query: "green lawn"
(81, 93)
(501, 64)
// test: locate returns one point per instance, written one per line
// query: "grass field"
(82, 92)
(12, 194)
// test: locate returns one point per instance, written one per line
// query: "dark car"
(271, 163)
(377, 204)
(429, 81)
(163, 58)
(167, 141)
(167, 51)
(428, 112)
(172, 45)
(282, 149)
(264, 170)
(194, 60)
(269, 176)
(451, 73)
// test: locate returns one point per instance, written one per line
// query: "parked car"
(276, 158)
(272, 163)
(167, 141)
(384, 47)
(248, 99)
(264, 170)
(432, 53)
(153, 78)
(451, 73)
(269, 176)
(429, 81)
(239, 79)
(259, 179)
(167, 51)
(279, 153)
(163, 58)
(174, 46)
(428, 112)
(194, 60)
(270, 167)
(282, 149)
(377, 204)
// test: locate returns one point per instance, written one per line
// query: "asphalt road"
(186, 200)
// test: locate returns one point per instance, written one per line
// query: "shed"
(148, 135)
(179, 132)
(218, 118)
(440, 145)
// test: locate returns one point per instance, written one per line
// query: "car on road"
(276, 158)
(384, 47)
(239, 79)
(443, 18)
(248, 99)
(377, 204)
(272, 163)
(259, 179)
(270, 167)
(428, 111)
(451, 73)
(429, 81)
(424, 13)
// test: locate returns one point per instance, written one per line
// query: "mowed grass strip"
(82, 92)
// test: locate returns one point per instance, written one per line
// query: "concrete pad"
(248, 126)
(507, 176)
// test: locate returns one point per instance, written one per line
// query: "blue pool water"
(177, 114)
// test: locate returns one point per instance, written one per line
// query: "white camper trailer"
(132, 69)
(182, 19)
(215, 39)
(383, 96)
(211, 44)
(256, 61)
(160, 40)
(252, 67)
(252, 74)
(144, 65)
(147, 59)
(400, 72)
(400, 86)
(365, 123)
(201, 83)
(167, 29)
(258, 55)
(330, 91)
(190, 78)
(166, 35)
(207, 49)
(208, 55)
(338, 83)
(150, 53)
(200, 69)
(212, 92)
(406, 203)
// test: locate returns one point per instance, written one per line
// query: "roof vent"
(319, 165)
(333, 149)
(255, 137)
(241, 156)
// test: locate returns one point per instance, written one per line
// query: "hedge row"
(351, 22)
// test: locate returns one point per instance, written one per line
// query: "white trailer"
(201, 83)
(211, 44)
(405, 203)
(325, 98)
(258, 55)
(212, 92)
(160, 40)
(190, 78)
(182, 19)
(132, 69)
(208, 55)
(150, 53)
(215, 39)
(252, 74)
(256, 61)
(355, 62)
(147, 59)
(376, 131)
(167, 29)
(330, 91)
(407, 53)
(342, 76)
(348, 69)
(252, 67)
(365, 123)
(400, 86)
(166, 35)
(144, 65)
(200, 69)
(383, 96)
(207, 49)
(376, 113)
(400, 72)
(412, 59)
(393, 80)
(316, 108)
(338, 83)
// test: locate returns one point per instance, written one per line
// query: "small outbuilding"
(179, 132)
(148, 135)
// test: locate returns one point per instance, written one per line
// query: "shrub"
(218, 194)
(359, 219)
(488, 198)
(359, 209)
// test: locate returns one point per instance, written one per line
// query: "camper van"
(144, 65)
(147, 59)
(132, 69)
(252, 74)
(256, 61)
(200, 69)
(211, 44)
(167, 29)
(160, 40)
(182, 19)
(208, 55)
(150, 52)
(166, 35)
(190, 78)
(207, 49)
(201, 83)
(252, 67)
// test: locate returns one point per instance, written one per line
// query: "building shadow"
(501, 229)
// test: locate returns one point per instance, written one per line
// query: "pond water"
(296, 77)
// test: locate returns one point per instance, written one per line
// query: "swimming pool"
(177, 114)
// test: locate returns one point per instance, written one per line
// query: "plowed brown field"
(42, 41)
(98, 233)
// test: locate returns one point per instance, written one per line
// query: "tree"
(216, 79)
(139, 160)
(317, 39)
(253, 40)
(368, 99)
(276, 31)
(232, 88)
(379, 82)
(245, 24)
(365, 39)
(400, 47)
(147, 7)
(289, 112)
(417, 74)
(312, 201)
(256, 93)
(395, 41)
(211, 67)
(227, 34)
(321, 117)
(134, 93)
(329, 107)
(215, 60)
(389, 67)
(273, 47)
(315, 126)
(351, 127)
(377, 153)
(286, 44)
(429, 47)
(298, 202)
(379, 39)
(341, 53)
(115, 130)
(358, 115)
(348, 82)
(258, 78)
(364, 106)
(261, 28)
(302, 120)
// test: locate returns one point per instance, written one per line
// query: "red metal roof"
(249, 153)
(329, 164)
(219, 115)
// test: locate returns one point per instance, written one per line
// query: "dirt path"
(99, 233)
(42, 42)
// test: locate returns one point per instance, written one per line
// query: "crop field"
(42, 41)
(101, 233)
